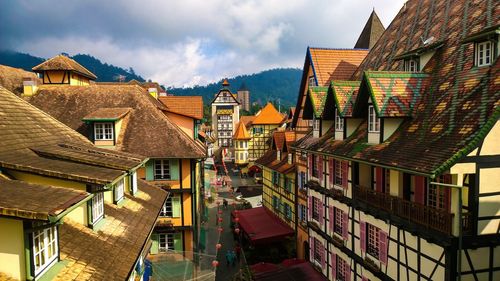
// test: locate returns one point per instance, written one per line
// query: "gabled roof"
(371, 32)
(12, 78)
(191, 106)
(283, 139)
(107, 114)
(241, 132)
(61, 62)
(316, 100)
(334, 64)
(268, 115)
(146, 130)
(225, 90)
(247, 120)
(345, 94)
(394, 94)
(24, 200)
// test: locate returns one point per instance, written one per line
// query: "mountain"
(104, 72)
(269, 85)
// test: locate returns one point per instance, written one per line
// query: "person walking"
(233, 258)
(224, 202)
(229, 258)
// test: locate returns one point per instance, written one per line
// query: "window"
(278, 155)
(165, 242)
(162, 170)
(439, 196)
(290, 158)
(339, 221)
(276, 177)
(166, 210)
(288, 184)
(411, 65)
(373, 240)
(45, 248)
(276, 202)
(288, 211)
(316, 206)
(318, 255)
(373, 120)
(302, 212)
(302, 180)
(119, 188)
(339, 122)
(314, 166)
(484, 53)
(338, 172)
(312, 81)
(133, 182)
(103, 131)
(316, 124)
(97, 207)
(342, 269)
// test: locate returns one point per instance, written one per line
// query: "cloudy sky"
(187, 42)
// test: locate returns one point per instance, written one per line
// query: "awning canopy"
(262, 227)
(301, 271)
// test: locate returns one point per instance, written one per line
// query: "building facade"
(262, 126)
(225, 116)
(243, 97)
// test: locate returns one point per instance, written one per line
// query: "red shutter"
(362, 236)
(309, 207)
(320, 203)
(347, 272)
(419, 194)
(383, 247)
(323, 260)
(320, 169)
(331, 170)
(334, 266)
(332, 218)
(379, 175)
(311, 249)
(345, 225)
(345, 173)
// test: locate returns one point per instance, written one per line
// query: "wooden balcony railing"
(439, 220)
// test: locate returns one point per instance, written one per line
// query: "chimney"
(153, 92)
(30, 86)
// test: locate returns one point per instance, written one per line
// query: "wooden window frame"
(372, 240)
(163, 167)
(481, 53)
(168, 240)
(102, 132)
(373, 120)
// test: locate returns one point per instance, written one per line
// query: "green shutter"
(176, 206)
(154, 244)
(178, 242)
(174, 169)
(150, 167)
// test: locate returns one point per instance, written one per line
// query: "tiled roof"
(282, 139)
(12, 78)
(269, 160)
(247, 120)
(111, 114)
(191, 106)
(62, 62)
(317, 97)
(24, 128)
(268, 115)
(371, 32)
(334, 64)
(394, 94)
(110, 253)
(456, 111)
(36, 202)
(345, 93)
(146, 130)
(241, 132)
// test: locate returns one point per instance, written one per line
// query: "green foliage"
(270, 85)
(104, 72)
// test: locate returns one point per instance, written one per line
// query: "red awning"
(303, 271)
(262, 226)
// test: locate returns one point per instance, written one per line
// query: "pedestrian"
(237, 250)
(233, 258)
(229, 258)
(224, 202)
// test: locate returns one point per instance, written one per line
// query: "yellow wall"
(186, 173)
(188, 242)
(55, 76)
(186, 199)
(79, 215)
(351, 125)
(186, 124)
(12, 255)
(78, 80)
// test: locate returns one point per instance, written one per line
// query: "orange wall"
(185, 123)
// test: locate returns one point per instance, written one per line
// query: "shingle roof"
(268, 115)
(345, 94)
(111, 114)
(461, 104)
(394, 94)
(317, 97)
(62, 62)
(111, 252)
(12, 78)
(247, 120)
(146, 130)
(269, 160)
(371, 32)
(191, 106)
(24, 128)
(241, 132)
(334, 64)
(36, 202)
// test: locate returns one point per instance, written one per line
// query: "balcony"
(435, 219)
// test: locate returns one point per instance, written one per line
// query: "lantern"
(236, 212)
(220, 212)
(218, 246)
(220, 219)
(236, 219)
(215, 263)
(237, 230)
(219, 229)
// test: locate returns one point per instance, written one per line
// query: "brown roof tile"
(334, 64)
(12, 78)
(191, 106)
(61, 62)
(111, 114)
(33, 201)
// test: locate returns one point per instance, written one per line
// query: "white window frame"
(316, 124)
(164, 169)
(103, 131)
(312, 81)
(339, 122)
(97, 207)
(484, 53)
(44, 242)
(167, 208)
(290, 158)
(165, 242)
(373, 120)
(338, 180)
(119, 191)
(411, 65)
(134, 184)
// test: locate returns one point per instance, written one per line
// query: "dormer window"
(373, 120)
(103, 131)
(411, 65)
(278, 155)
(339, 122)
(484, 53)
(290, 158)
(312, 81)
